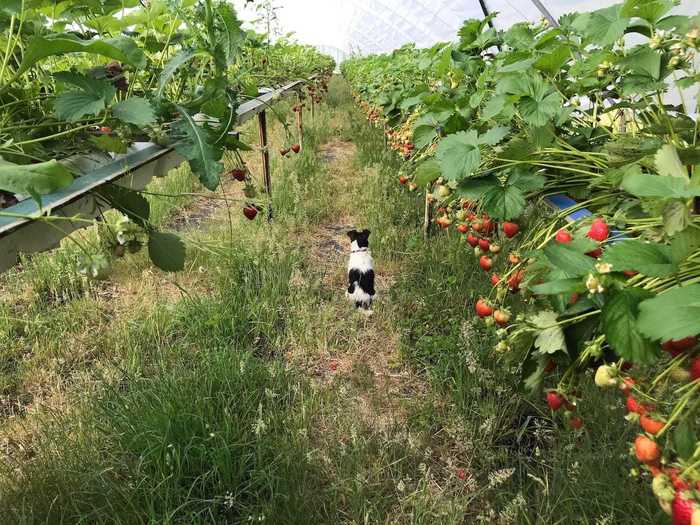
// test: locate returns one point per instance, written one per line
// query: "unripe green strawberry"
(606, 376)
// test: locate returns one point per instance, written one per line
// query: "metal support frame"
(20, 232)
(265, 152)
(485, 10)
(545, 13)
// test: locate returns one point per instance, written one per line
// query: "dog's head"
(359, 239)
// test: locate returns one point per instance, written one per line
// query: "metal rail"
(21, 232)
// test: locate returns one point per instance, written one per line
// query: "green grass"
(214, 403)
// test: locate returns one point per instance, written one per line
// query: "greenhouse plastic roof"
(343, 27)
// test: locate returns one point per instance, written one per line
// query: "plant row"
(93, 77)
(598, 109)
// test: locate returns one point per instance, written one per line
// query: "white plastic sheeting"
(378, 26)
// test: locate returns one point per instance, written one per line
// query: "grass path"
(246, 389)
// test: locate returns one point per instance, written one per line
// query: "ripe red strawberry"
(678, 482)
(462, 228)
(443, 221)
(483, 309)
(576, 422)
(695, 369)
(678, 346)
(485, 262)
(635, 406)
(296, 148)
(573, 298)
(595, 253)
(250, 212)
(403, 179)
(626, 386)
(685, 344)
(238, 174)
(484, 244)
(487, 224)
(472, 240)
(477, 226)
(105, 129)
(652, 426)
(515, 279)
(502, 317)
(442, 210)
(467, 204)
(495, 279)
(550, 366)
(555, 400)
(510, 229)
(461, 474)
(599, 230)
(646, 450)
(682, 509)
(564, 237)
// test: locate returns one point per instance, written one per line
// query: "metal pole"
(262, 125)
(545, 13)
(484, 10)
(300, 125)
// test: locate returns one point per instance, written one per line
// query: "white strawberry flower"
(594, 285)
(603, 267)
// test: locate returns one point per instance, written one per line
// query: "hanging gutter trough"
(134, 170)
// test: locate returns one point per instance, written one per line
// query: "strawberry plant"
(611, 281)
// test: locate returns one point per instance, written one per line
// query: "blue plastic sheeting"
(562, 202)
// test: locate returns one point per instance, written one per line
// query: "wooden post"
(262, 125)
(300, 124)
(427, 213)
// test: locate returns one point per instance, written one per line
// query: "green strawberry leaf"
(109, 143)
(656, 186)
(569, 260)
(167, 251)
(424, 135)
(134, 110)
(196, 145)
(494, 135)
(550, 338)
(669, 164)
(127, 201)
(427, 172)
(474, 188)
(654, 260)
(122, 49)
(558, 286)
(684, 439)
(619, 319)
(34, 179)
(673, 314)
(504, 202)
(459, 155)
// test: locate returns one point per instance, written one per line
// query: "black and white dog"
(360, 270)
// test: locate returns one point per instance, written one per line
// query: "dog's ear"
(365, 232)
(352, 234)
